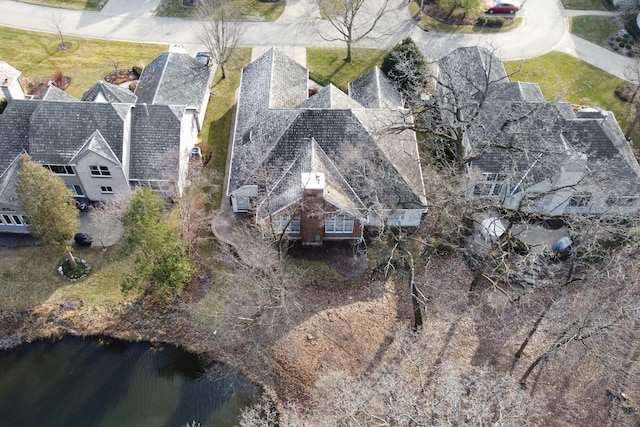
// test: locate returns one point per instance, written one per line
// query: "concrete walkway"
(544, 28)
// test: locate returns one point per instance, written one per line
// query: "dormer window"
(99, 170)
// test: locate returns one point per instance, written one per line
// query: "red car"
(502, 6)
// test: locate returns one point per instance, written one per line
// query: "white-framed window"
(280, 222)
(60, 169)
(580, 200)
(341, 223)
(77, 189)
(12, 219)
(106, 189)
(490, 186)
(97, 170)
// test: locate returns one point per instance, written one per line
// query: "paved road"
(544, 28)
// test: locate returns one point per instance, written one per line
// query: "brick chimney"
(312, 218)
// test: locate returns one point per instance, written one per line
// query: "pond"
(104, 383)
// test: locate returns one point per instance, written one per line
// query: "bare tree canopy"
(351, 21)
(217, 32)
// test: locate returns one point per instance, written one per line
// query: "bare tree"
(351, 21)
(407, 388)
(217, 32)
(106, 220)
(55, 21)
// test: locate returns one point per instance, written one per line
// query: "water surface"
(98, 383)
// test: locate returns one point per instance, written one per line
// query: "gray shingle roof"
(53, 93)
(515, 92)
(58, 130)
(518, 133)
(112, 93)
(14, 130)
(537, 140)
(330, 97)
(272, 142)
(97, 144)
(173, 79)
(468, 69)
(9, 182)
(287, 189)
(374, 90)
(156, 154)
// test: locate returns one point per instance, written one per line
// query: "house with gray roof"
(322, 166)
(112, 139)
(529, 154)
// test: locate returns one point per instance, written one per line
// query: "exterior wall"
(315, 210)
(405, 218)
(92, 184)
(126, 144)
(205, 101)
(12, 90)
(188, 140)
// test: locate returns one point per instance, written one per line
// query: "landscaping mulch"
(12, 240)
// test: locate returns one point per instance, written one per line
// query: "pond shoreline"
(70, 318)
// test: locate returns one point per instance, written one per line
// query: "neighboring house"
(322, 166)
(533, 155)
(111, 140)
(10, 82)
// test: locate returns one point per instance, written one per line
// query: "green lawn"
(327, 65)
(219, 116)
(28, 277)
(564, 78)
(596, 29)
(71, 4)
(86, 62)
(248, 10)
(584, 5)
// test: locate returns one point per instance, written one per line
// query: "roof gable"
(108, 92)
(374, 90)
(57, 130)
(97, 144)
(174, 79)
(330, 97)
(271, 142)
(54, 93)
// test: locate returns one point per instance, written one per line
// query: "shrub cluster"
(492, 22)
(162, 264)
(406, 66)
